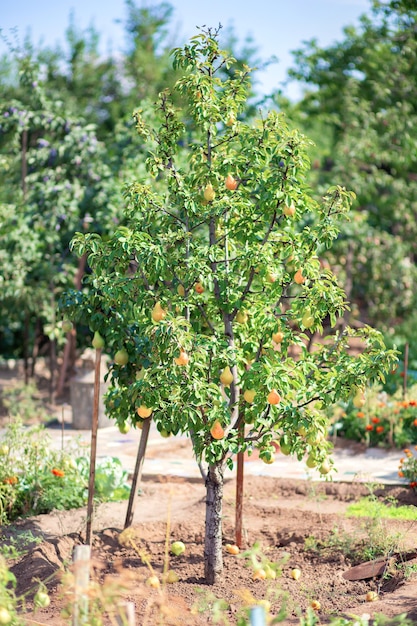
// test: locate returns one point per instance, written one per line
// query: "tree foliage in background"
(73, 107)
(364, 102)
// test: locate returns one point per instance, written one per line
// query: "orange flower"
(58, 472)
(406, 451)
(402, 461)
(404, 404)
(360, 414)
(396, 411)
(415, 422)
(379, 429)
(375, 420)
(11, 480)
(369, 427)
(401, 474)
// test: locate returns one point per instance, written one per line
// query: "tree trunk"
(213, 556)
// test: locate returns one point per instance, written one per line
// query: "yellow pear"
(158, 313)
(249, 395)
(242, 317)
(209, 193)
(226, 377)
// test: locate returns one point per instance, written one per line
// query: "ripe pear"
(289, 211)
(242, 317)
(273, 397)
(144, 411)
(226, 377)
(182, 359)
(278, 336)
(249, 395)
(231, 183)
(181, 290)
(209, 193)
(158, 313)
(298, 277)
(98, 341)
(217, 430)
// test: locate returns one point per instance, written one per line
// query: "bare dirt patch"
(303, 521)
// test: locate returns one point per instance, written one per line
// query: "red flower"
(58, 472)
(369, 427)
(413, 403)
(379, 429)
(375, 420)
(413, 484)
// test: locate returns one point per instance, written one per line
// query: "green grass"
(367, 507)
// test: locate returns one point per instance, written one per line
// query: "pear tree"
(214, 287)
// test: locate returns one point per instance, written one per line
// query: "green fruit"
(121, 357)
(124, 428)
(285, 448)
(67, 326)
(164, 433)
(311, 462)
(177, 548)
(42, 599)
(307, 320)
(5, 617)
(98, 341)
(325, 467)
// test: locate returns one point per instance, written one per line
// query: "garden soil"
(300, 524)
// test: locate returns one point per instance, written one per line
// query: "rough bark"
(213, 555)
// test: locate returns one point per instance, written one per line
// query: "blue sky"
(277, 26)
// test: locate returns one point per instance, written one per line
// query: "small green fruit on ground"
(177, 548)
(42, 599)
(5, 617)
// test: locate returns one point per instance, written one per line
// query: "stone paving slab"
(163, 458)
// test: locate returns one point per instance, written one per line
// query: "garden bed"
(302, 524)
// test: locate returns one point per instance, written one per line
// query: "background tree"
(208, 296)
(96, 95)
(364, 101)
(57, 183)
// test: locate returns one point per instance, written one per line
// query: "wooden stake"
(94, 428)
(126, 616)
(81, 560)
(405, 370)
(137, 473)
(239, 493)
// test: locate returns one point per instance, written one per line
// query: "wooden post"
(81, 560)
(405, 370)
(239, 493)
(94, 428)
(126, 614)
(137, 473)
